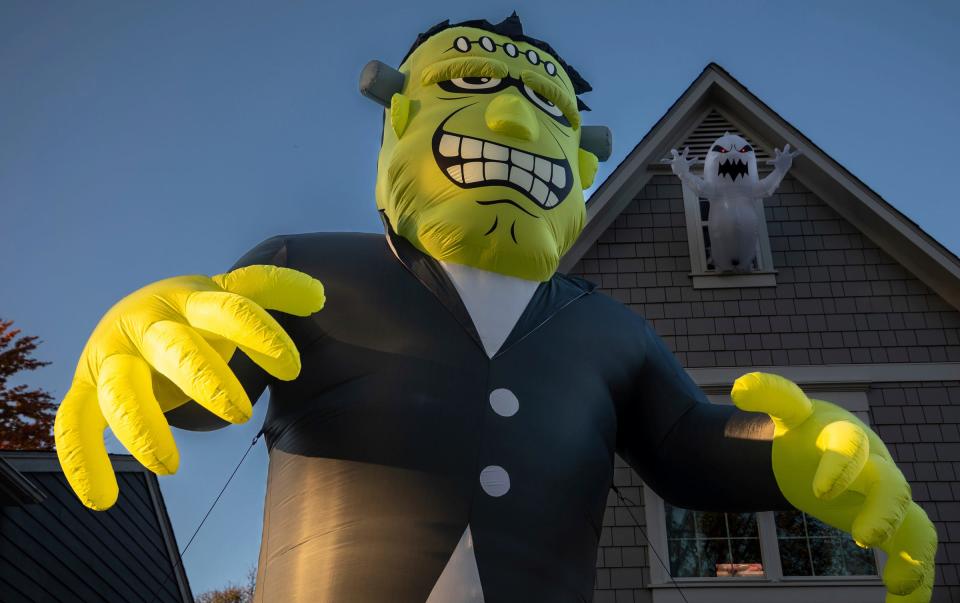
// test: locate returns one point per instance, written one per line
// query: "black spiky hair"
(513, 29)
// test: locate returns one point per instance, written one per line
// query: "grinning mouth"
(733, 168)
(471, 162)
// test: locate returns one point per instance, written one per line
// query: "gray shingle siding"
(839, 299)
(920, 422)
(623, 568)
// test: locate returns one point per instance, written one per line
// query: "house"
(849, 298)
(52, 548)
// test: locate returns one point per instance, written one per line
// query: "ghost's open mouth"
(470, 162)
(733, 168)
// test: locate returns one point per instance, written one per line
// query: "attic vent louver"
(713, 126)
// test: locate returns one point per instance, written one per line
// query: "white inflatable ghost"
(731, 183)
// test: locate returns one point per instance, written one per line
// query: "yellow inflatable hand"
(163, 345)
(830, 465)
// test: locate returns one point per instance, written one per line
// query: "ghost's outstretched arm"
(781, 162)
(680, 165)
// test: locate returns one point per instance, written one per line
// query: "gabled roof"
(886, 226)
(55, 549)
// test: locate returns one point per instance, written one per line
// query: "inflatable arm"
(253, 378)
(781, 162)
(163, 345)
(776, 449)
(829, 464)
(693, 453)
(680, 165)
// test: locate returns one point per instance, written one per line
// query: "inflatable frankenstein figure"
(444, 429)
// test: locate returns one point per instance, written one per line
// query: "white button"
(494, 480)
(504, 402)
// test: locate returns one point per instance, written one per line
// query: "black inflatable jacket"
(376, 449)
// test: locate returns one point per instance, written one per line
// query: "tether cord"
(629, 504)
(179, 562)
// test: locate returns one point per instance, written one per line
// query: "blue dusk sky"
(142, 140)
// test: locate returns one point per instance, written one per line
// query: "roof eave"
(632, 174)
(16, 489)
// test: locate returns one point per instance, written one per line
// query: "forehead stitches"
(518, 56)
(466, 44)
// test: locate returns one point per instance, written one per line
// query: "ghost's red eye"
(746, 148)
(718, 149)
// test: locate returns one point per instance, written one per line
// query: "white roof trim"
(834, 377)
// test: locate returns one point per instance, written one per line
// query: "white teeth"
(495, 152)
(543, 168)
(473, 171)
(523, 160)
(472, 148)
(539, 190)
(520, 177)
(496, 171)
(503, 164)
(559, 176)
(449, 145)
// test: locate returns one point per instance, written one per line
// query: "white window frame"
(754, 589)
(703, 278)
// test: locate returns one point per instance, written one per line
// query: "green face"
(480, 162)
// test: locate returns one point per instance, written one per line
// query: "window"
(709, 545)
(720, 545)
(707, 248)
(808, 547)
(697, 212)
(703, 544)
(726, 557)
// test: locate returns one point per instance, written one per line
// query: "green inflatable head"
(481, 162)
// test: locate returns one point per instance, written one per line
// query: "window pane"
(684, 560)
(706, 248)
(818, 529)
(860, 562)
(746, 557)
(742, 524)
(789, 523)
(712, 544)
(809, 547)
(680, 523)
(795, 557)
(746, 551)
(714, 556)
(712, 525)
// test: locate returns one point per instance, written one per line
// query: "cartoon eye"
(469, 84)
(718, 149)
(542, 102)
(746, 148)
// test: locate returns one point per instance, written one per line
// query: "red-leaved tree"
(26, 415)
(233, 593)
